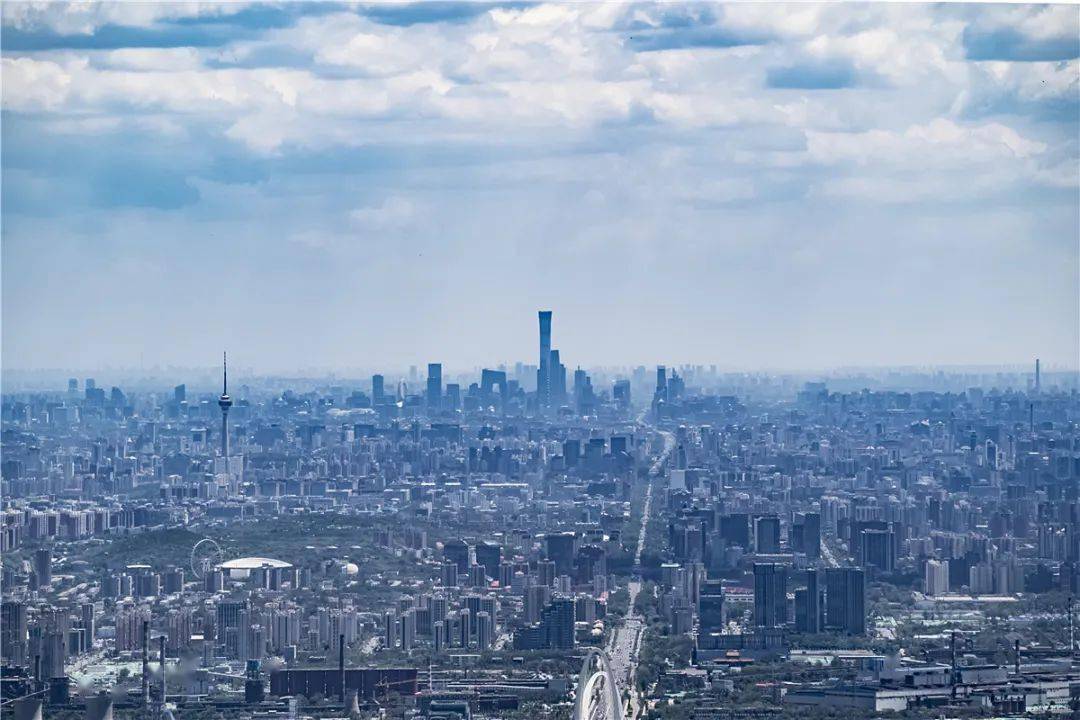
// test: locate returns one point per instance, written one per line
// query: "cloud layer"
(871, 183)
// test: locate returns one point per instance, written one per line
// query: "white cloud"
(83, 18)
(392, 214)
(939, 143)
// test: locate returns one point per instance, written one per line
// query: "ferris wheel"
(205, 556)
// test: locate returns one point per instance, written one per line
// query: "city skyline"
(539, 361)
(333, 186)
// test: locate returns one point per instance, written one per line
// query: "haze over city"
(539, 361)
(333, 186)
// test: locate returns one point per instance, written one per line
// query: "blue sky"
(357, 186)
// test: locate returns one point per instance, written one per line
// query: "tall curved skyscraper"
(543, 375)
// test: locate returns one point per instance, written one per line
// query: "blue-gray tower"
(543, 375)
(224, 402)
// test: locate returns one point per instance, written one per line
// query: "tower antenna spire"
(225, 402)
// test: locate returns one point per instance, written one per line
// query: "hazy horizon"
(755, 186)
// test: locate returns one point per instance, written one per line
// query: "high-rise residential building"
(543, 374)
(378, 390)
(808, 606)
(434, 386)
(464, 627)
(770, 594)
(845, 600)
(389, 629)
(88, 618)
(408, 629)
(937, 577)
(43, 566)
(13, 632)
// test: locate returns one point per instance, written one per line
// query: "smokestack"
(1037, 376)
(1016, 655)
(28, 708)
(99, 707)
(146, 663)
(341, 664)
(953, 653)
(161, 641)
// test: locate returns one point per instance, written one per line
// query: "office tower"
(770, 594)
(711, 606)
(735, 529)
(484, 631)
(878, 550)
(543, 376)
(439, 636)
(812, 535)
(73, 386)
(557, 623)
(536, 599)
(489, 555)
(545, 573)
(556, 380)
(230, 616)
(559, 548)
(621, 394)
(43, 566)
(453, 396)
(87, 617)
(457, 552)
(224, 402)
(53, 654)
(767, 534)
(180, 393)
(937, 577)
(434, 386)
(489, 380)
(845, 600)
(808, 609)
(13, 632)
(449, 573)
(377, 390)
(583, 393)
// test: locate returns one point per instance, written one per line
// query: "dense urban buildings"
(459, 542)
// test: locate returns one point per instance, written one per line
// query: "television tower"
(224, 402)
